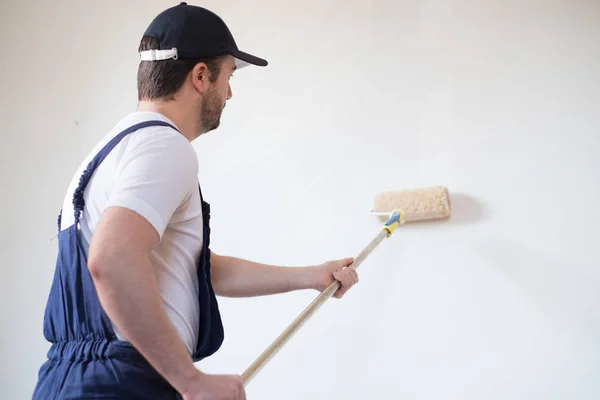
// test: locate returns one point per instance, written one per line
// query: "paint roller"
(400, 206)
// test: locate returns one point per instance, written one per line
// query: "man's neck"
(173, 112)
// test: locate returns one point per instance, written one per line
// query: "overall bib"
(86, 360)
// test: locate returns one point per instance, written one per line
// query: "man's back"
(153, 172)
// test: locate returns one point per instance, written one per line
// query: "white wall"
(498, 101)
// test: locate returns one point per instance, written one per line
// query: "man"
(132, 305)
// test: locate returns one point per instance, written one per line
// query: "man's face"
(216, 96)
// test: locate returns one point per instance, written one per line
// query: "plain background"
(498, 101)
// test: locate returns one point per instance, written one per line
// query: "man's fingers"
(343, 276)
(347, 278)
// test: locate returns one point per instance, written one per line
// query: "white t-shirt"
(154, 172)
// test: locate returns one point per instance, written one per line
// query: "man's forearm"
(129, 294)
(236, 277)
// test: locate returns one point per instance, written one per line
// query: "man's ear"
(199, 75)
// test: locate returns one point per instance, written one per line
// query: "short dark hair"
(160, 80)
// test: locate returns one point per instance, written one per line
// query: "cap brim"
(245, 59)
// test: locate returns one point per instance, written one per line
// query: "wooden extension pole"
(286, 335)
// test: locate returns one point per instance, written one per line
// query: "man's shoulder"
(148, 131)
(164, 142)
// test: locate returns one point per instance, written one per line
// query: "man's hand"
(215, 387)
(329, 271)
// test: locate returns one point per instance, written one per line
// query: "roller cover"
(418, 204)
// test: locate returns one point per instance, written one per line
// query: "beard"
(210, 112)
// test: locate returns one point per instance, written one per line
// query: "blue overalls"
(86, 360)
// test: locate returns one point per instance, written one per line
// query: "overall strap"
(78, 201)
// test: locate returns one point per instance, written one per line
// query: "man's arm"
(120, 267)
(237, 277)
(158, 172)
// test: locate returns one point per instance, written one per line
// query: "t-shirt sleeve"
(156, 174)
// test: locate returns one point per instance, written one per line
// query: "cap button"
(183, 3)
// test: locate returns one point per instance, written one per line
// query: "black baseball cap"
(186, 31)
